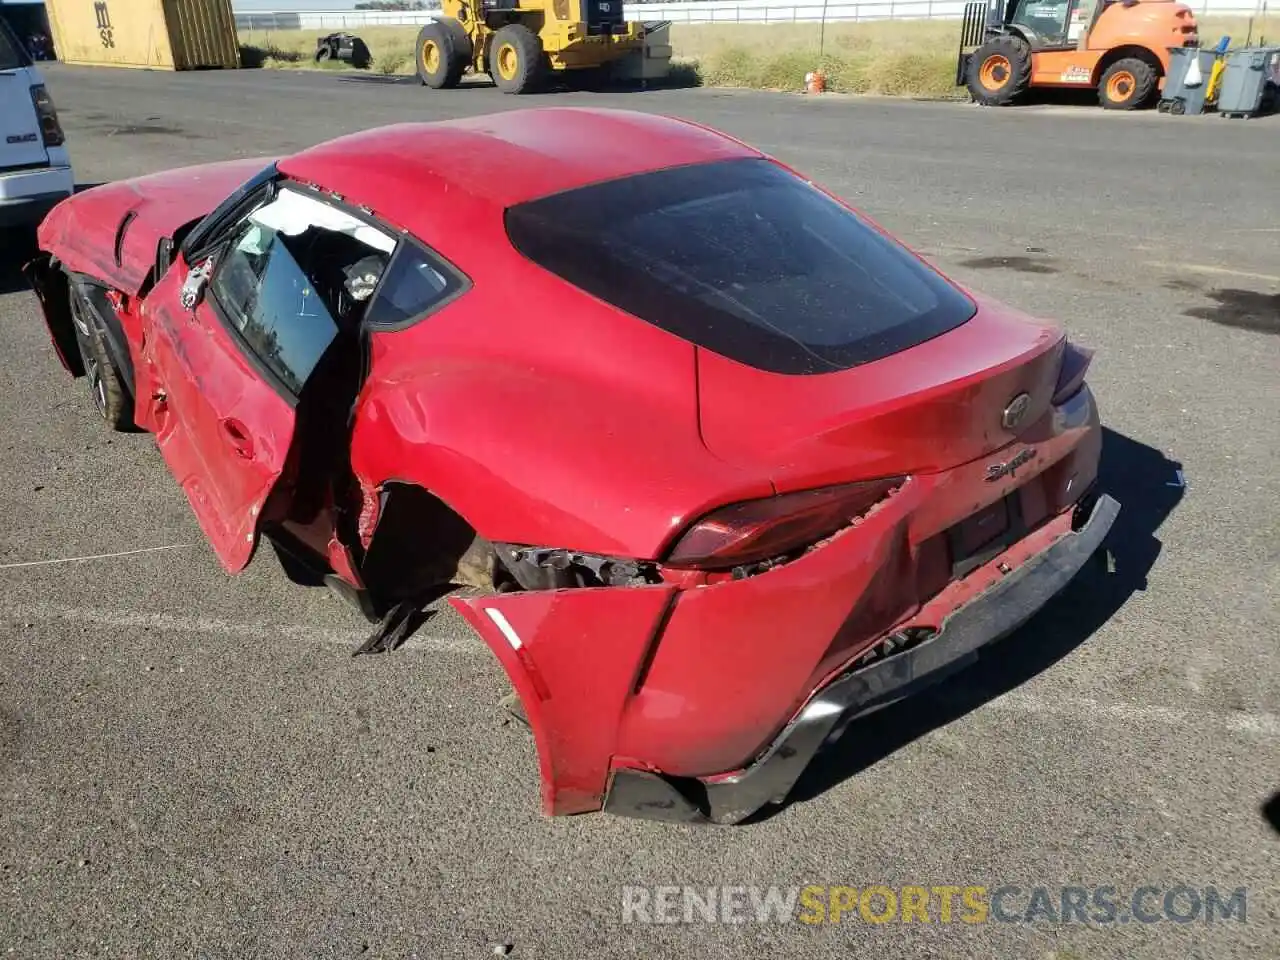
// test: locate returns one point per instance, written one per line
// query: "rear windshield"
(745, 259)
(12, 56)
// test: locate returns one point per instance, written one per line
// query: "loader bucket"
(973, 31)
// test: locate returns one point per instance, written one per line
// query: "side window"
(415, 283)
(295, 276)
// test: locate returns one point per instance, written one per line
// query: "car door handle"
(236, 435)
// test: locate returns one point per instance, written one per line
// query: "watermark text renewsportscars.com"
(974, 904)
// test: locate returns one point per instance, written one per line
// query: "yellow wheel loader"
(521, 43)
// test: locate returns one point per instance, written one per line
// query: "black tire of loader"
(454, 47)
(529, 69)
(1018, 54)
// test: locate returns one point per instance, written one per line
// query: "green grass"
(911, 58)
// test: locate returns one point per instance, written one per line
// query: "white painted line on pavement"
(1212, 269)
(1260, 724)
(264, 632)
(1264, 725)
(96, 556)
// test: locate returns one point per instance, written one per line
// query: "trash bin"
(1249, 84)
(1184, 91)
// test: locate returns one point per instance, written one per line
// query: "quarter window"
(415, 284)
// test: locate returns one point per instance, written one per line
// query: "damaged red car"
(723, 463)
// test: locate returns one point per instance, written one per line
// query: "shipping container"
(160, 34)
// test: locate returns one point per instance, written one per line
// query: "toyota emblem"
(1015, 411)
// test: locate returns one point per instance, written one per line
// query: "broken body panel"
(529, 431)
(112, 232)
(735, 660)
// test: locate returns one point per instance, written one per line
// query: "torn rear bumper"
(990, 615)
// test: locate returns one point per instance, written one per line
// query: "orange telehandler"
(1118, 47)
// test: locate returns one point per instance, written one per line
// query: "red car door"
(231, 342)
(223, 429)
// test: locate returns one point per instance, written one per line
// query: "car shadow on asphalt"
(1271, 811)
(681, 77)
(17, 246)
(1149, 488)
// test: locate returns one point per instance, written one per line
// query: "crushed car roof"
(505, 158)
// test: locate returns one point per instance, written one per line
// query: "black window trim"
(210, 232)
(404, 239)
(218, 228)
(411, 246)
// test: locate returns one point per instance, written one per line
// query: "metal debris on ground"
(394, 628)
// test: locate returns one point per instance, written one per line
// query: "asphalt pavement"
(193, 765)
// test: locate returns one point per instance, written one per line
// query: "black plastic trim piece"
(125, 223)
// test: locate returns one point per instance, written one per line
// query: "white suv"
(35, 170)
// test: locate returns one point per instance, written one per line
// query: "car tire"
(515, 59)
(443, 52)
(1000, 71)
(106, 387)
(324, 53)
(1127, 85)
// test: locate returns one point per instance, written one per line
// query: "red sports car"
(724, 464)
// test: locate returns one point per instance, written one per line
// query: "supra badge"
(1015, 411)
(1009, 467)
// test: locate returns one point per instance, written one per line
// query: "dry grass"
(392, 49)
(890, 57)
(896, 58)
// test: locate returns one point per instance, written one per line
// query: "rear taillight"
(47, 114)
(758, 530)
(1075, 364)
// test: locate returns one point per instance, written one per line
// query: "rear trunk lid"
(929, 407)
(827, 351)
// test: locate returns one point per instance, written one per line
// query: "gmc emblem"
(22, 138)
